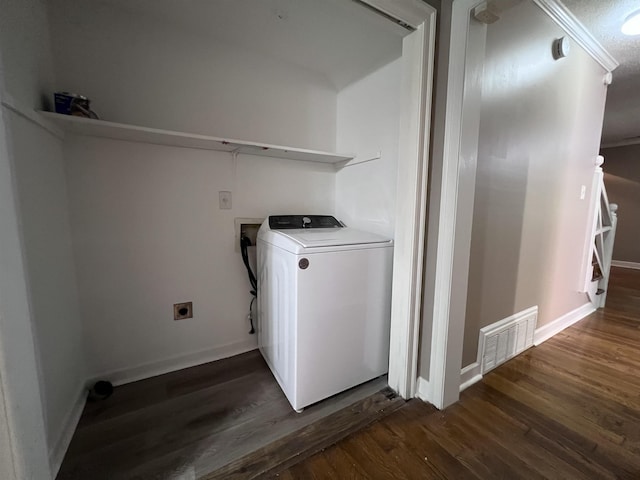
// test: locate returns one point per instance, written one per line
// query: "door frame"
(418, 53)
(455, 150)
(434, 215)
(456, 128)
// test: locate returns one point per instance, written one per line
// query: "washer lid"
(331, 237)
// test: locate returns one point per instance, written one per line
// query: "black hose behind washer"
(245, 243)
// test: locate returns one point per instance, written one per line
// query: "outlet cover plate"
(182, 311)
(224, 199)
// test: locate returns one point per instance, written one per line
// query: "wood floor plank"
(403, 457)
(605, 409)
(145, 436)
(142, 394)
(512, 431)
(533, 457)
(210, 411)
(544, 402)
(371, 458)
(566, 443)
(596, 378)
(343, 463)
(304, 442)
(317, 468)
(485, 458)
(569, 408)
(189, 423)
(423, 443)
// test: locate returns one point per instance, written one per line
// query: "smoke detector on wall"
(483, 14)
(561, 48)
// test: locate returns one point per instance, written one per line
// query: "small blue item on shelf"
(73, 104)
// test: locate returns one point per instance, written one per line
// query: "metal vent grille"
(507, 338)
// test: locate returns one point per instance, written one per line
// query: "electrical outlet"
(224, 199)
(182, 311)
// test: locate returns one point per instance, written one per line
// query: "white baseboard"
(148, 370)
(423, 390)
(547, 331)
(58, 451)
(470, 375)
(473, 373)
(624, 264)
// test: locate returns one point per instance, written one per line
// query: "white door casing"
(418, 50)
(461, 59)
(457, 111)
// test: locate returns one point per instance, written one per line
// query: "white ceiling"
(603, 18)
(344, 41)
(337, 38)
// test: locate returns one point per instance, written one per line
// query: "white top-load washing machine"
(324, 305)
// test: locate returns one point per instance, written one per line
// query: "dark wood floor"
(569, 408)
(189, 423)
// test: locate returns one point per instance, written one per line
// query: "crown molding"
(578, 32)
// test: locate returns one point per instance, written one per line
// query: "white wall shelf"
(133, 133)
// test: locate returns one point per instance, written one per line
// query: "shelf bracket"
(356, 161)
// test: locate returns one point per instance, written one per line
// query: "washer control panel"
(284, 222)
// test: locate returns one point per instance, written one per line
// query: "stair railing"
(599, 244)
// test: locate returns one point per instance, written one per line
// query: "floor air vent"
(507, 338)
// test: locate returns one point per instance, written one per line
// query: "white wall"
(148, 233)
(540, 126)
(622, 180)
(24, 39)
(142, 71)
(52, 320)
(21, 389)
(144, 227)
(42, 194)
(7, 470)
(368, 123)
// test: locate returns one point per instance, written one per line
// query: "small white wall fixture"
(418, 63)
